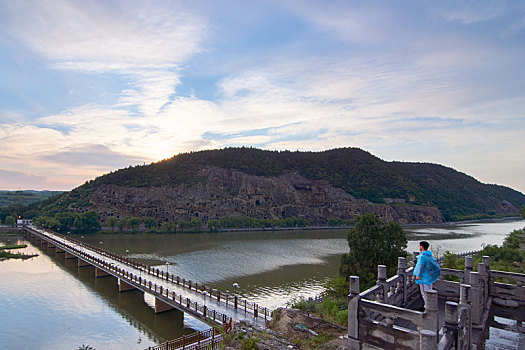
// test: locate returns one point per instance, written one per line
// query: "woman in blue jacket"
(427, 270)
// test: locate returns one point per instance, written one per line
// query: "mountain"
(24, 197)
(317, 186)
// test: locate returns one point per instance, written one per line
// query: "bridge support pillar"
(51, 248)
(123, 286)
(70, 256)
(161, 306)
(43, 243)
(82, 263)
(59, 250)
(100, 273)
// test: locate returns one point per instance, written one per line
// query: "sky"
(88, 87)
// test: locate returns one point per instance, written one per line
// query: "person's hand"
(418, 278)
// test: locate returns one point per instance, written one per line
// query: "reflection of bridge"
(169, 291)
(457, 315)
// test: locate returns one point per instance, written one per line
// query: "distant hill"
(24, 197)
(251, 182)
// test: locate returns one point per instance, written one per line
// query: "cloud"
(92, 156)
(13, 180)
(106, 35)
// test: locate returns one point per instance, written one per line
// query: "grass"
(13, 246)
(8, 255)
(315, 342)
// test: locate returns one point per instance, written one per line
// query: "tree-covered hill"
(357, 172)
(24, 197)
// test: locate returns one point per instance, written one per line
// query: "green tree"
(67, 220)
(170, 226)
(88, 222)
(112, 222)
(150, 223)
(122, 223)
(10, 220)
(522, 211)
(134, 222)
(195, 224)
(182, 224)
(372, 243)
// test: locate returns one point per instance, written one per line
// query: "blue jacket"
(427, 268)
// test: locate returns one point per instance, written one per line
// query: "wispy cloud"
(435, 82)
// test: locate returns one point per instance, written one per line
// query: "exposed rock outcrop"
(218, 192)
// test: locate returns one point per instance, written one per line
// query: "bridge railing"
(229, 300)
(163, 293)
(209, 339)
(379, 316)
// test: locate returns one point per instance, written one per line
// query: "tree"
(10, 220)
(182, 224)
(170, 226)
(112, 222)
(195, 224)
(522, 211)
(150, 223)
(88, 222)
(372, 243)
(122, 223)
(67, 220)
(134, 223)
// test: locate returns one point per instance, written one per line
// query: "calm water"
(49, 303)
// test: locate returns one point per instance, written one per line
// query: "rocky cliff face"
(220, 192)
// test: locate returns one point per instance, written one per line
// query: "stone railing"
(382, 317)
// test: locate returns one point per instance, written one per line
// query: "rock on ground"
(289, 329)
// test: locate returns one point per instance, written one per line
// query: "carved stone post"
(427, 340)
(431, 315)
(353, 314)
(381, 281)
(465, 306)
(469, 264)
(476, 298)
(484, 284)
(414, 258)
(402, 273)
(490, 279)
(451, 321)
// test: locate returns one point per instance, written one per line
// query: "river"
(48, 303)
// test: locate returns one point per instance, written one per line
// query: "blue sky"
(90, 87)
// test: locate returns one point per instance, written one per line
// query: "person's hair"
(424, 244)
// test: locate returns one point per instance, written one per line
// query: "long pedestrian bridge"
(170, 291)
(457, 316)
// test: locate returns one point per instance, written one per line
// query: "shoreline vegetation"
(5, 252)
(509, 256)
(108, 230)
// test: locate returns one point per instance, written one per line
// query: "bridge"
(457, 313)
(385, 316)
(169, 291)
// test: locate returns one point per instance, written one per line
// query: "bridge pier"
(82, 263)
(100, 273)
(123, 286)
(161, 306)
(59, 250)
(70, 256)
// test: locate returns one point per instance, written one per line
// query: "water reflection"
(64, 312)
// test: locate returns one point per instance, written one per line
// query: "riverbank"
(6, 254)
(316, 228)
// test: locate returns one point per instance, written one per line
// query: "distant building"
(24, 222)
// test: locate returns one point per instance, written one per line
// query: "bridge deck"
(141, 279)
